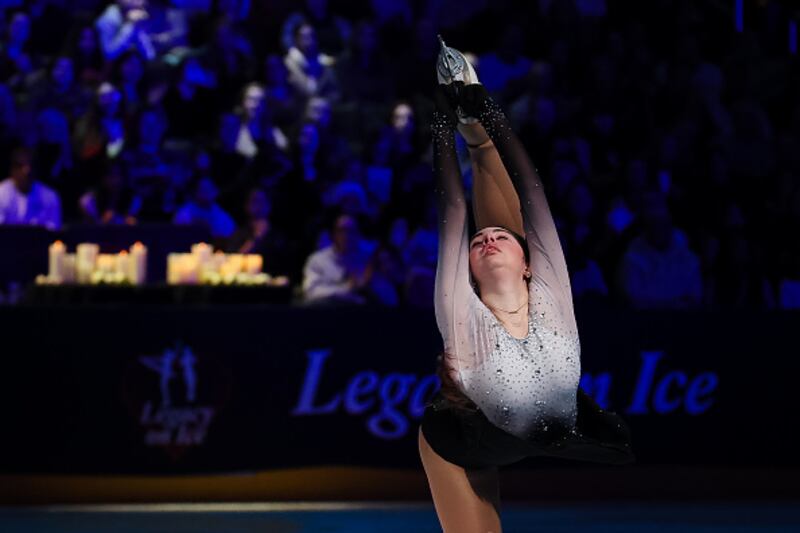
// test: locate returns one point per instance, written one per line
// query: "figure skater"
(511, 363)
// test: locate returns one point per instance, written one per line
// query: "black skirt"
(469, 439)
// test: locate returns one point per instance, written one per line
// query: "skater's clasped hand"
(445, 98)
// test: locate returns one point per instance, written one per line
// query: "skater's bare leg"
(466, 501)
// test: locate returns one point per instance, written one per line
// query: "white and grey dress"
(524, 387)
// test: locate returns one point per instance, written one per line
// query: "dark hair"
(300, 24)
(449, 390)
(519, 238)
(19, 156)
(116, 67)
(336, 215)
(523, 244)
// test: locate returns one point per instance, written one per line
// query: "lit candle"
(227, 270)
(138, 260)
(85, 262)
(123, 265)
(173, 268)
(106, 263)
(188, 269)
(69, 268)
(203, 252)
(218, 260)
(236, 262)
(253, 263)
(56, 254)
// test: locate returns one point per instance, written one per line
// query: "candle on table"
(56, 253)
(69, 268)
(85, 261)
(253, 263)
(218, 260)
(123, 265)
(236, 262)
(173, 270)
(227, 269)
(106, 263)
(138, 259)
(203, 252)
(189, 269)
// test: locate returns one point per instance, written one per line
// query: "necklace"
(514, 312)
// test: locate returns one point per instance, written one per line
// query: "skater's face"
(495, 253)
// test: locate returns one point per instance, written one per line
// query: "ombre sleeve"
(454, 298)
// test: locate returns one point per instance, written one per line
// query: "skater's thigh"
(465, 500)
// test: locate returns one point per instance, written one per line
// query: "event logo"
(395, 398)
(165, 393)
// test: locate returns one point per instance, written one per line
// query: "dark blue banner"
(168, 390)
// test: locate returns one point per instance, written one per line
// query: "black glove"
(445, 98)
(472, 98)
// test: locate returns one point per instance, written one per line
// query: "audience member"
(24, 199)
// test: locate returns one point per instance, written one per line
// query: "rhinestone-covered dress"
(522, 385)
(526, 385)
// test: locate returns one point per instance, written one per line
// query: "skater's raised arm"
(452, 287)
(547, 257)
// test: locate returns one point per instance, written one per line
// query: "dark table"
(156, 294)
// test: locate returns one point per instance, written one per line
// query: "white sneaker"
(451, 66)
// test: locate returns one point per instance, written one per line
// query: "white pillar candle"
(106, 263)
(218, 261)
(190, 269)
(236, 262)
(227, 269)
(253, 263)
(123, 265)
(138, 259)
(203, 252)
(69, 268)
(173, 268)
(85, 261)
(56, 253)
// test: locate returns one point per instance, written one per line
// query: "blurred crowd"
(669, 143)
